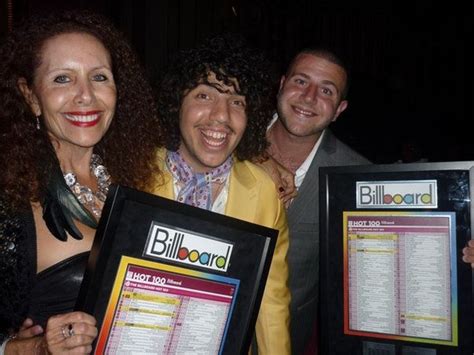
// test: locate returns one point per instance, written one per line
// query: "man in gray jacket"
(312, 95)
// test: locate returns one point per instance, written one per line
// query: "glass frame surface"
(340, 194)
(142, 230)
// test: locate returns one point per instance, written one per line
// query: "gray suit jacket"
(303, 253)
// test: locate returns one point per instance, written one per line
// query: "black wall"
(411, 70)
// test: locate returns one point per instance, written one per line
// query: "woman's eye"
(61, 79)
(300, 81)
(239, 103)
(100, 77)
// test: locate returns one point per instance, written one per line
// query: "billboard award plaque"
(392, 278)
(164, 277)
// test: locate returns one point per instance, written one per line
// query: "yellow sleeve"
(273, 322)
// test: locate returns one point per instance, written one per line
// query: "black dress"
(23, 293)
(56, 288)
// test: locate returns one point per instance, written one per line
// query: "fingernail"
(38, 330)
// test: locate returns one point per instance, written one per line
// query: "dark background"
(411, 70)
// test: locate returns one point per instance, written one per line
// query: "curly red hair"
(128, 147)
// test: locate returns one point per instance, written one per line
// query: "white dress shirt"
(303, 169)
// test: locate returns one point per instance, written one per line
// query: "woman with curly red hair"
(76, 113)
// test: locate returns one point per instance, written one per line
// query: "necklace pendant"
(93, 201)
(70, 179)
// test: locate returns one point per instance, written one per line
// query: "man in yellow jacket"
(215, 102)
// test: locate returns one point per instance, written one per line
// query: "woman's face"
(73, 90)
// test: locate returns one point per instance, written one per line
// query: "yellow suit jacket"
(253, 198)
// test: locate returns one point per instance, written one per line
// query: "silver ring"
(70, 330)
(67, 331)
(64, 332)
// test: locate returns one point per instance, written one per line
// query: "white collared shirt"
(303, 169)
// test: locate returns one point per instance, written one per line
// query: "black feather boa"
(61, 207)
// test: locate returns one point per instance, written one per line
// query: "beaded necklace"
(93, 201)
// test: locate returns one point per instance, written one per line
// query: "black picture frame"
(339, 187)
(131, 219)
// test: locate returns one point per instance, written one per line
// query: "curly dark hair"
(27, 154)
(230, 59)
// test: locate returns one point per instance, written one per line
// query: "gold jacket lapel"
(243, 193)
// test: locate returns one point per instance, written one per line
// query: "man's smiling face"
(212, 122)
(310, 95)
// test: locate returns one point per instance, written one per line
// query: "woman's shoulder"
(11, 222)
(16, 248)
(11, 227)
(17, 236)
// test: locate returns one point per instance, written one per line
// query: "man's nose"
(310, 93)
(220, 111)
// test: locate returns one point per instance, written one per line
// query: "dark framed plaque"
(164, 277)
(392, 278)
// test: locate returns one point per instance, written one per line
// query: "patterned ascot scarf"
(196, 188)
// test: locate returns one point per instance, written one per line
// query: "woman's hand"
(282, 177)
(70, 333)
(26, 341)
(28, 330)
(468, 253)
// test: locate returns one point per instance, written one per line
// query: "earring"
(38, 127)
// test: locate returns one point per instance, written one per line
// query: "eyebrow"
(100, 67)
(325, 81)
(222, 88)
